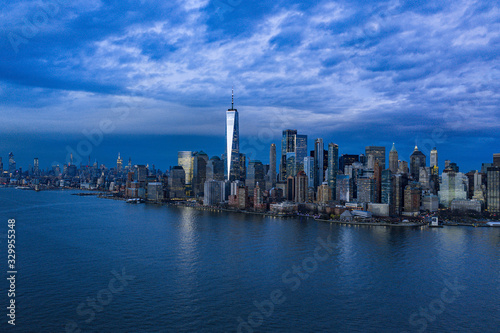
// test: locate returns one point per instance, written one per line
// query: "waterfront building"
(378, 153)
(377, 174)
(233, 164)
(333, 168)
(213, 192)
(291, 164)
(452, 186)
(301, 187)
(393, 159)
(290, 189)
(177, 183)
(493, 189)
(417, 160)
(155, 191)
(466, 205)
(1, 167)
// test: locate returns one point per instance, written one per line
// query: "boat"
(135, 200)
(435, 223)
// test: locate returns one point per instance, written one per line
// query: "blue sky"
(353, 72)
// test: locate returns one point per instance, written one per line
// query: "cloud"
(386, 67)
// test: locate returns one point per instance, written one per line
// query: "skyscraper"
(287, 146)
(319, 148)
(300, 152)
(119, 163)
(333, 168)
(378, 153)
(309, 170)
(417, 160)
(393, 160)
(12, 163)
(36, 168)
(232, 143)
(493, 189)
(272, 164)
(185, 160)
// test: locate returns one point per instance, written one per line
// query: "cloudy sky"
(353, 72)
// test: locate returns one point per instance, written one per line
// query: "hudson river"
(86, 264)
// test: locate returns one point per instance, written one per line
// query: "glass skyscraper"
(232, 167)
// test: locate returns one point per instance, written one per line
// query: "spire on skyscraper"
(393, 147)
(232, 98)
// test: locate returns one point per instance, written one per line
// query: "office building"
(378, 154)
(309, 170)
(366, 189)
(344, 188)
(233, 164)
(453, 186)
(417, 160)
(301, 187)
(493, 189)
(215, 169)
(393, 159)
(119, 163)
(333, 168)
(255, 174)
(319, 163)
(272, 165)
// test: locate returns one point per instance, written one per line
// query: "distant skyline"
(356, 73)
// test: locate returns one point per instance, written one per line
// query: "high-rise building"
(255, 174)
(324, 194)
(403, 167)
(243, 167)
(319, 163)
(186, 161)
(177, 183)
(141, 172)
(36, 168)
(412, 194)
(215, 169)
(378, 154)
(493, 188)
(453, 186)
(233, 164)
(393, 160)
(496, 159)
(347, 160)
(272, 164)
(12, 163)
(300, 152)
(213, 192)
(400, 182)
(387, 192)
(417, 160)
(434, 161)
(344, 188)
(1, 166)
(301, 187)
(309, 170)
(119, 163)
(200, 160)
(366, 189)
(333, 168)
